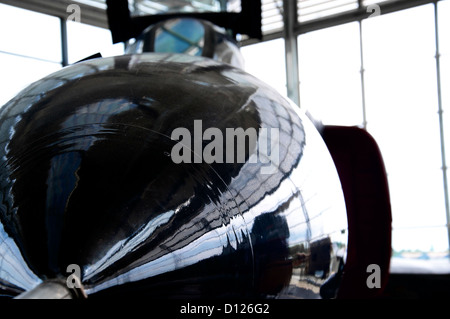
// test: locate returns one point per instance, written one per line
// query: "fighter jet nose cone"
(163, 175)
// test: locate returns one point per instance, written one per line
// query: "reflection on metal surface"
(86, 178)
(180, 36)
(189, 36)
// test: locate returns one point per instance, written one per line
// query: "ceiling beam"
(357, 15)
(342, 18)
(97, 16)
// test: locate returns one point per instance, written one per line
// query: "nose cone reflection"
(87, 178)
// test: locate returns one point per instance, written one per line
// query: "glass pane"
(180, 36)
(316, 9)
(271, 14)
(85, 40)
(266, 61)
(29, 33)
(18, 72)
(330, 78)
(401, 95)
(444, 43)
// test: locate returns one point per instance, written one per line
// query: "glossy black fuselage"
(88, 179)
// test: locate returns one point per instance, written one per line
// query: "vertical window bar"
(362, 71)
(441, 120)
(291, 50)
(64, 47)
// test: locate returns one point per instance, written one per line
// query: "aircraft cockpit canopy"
(189, 36)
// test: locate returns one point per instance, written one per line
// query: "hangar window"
(29, 48)
(29, 34)
(33, 45)
(269, 54)
(329, 68)
(398, 102)
(272, 18)
(402, 114)
(387, 73)
(81, 46)
(316, 9)
(444, 76)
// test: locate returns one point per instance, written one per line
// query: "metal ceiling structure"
(309, 14)
(285, 19)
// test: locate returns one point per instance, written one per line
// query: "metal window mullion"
(64, 46)
(441, 121)
(362, 72)
(291, 50)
